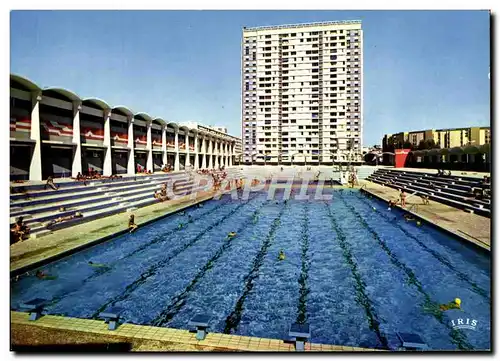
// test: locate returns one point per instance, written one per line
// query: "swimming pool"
(355, 271)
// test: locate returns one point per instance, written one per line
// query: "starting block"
(111, 317)
(201, 324)
(300, 333)
(34, 307)
(411, 341)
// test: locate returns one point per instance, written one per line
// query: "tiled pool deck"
(182, 339)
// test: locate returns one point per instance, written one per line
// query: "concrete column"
(176, 163)
(216, 163)
(107, 168)
(196, 153)
(35, 134)
(76, 167)
(164, 144)
(210, 153)
(131, 155)
(226, 154)
(221, 153)
(231, 154)
(149, 147)
(186, 163)
(204, 147)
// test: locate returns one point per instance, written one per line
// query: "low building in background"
(452, 148)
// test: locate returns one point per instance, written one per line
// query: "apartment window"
(268, 36)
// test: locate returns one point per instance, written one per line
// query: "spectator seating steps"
(95, 211)
(180, 181)
(451, 202)
(78, 194)
(442, 193)
(36, 191)
(451, 186)
(97, 203)
(461, 180)
(437, 180)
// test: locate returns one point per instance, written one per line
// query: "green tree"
(408, 145)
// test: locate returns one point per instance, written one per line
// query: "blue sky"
(422, 69)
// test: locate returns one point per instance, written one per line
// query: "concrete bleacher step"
(101, 206)
(80, 198)
(435, 197)
(455, 179)
(71, 186)
(445, 190)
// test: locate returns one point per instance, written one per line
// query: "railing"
(413, 207)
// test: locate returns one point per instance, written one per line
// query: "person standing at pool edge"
(402, 196)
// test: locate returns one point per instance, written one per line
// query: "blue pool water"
(355, 271)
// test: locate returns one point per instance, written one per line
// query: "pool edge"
(478, 246)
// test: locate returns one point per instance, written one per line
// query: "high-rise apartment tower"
(302, 99)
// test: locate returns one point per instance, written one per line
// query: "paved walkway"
(33, 250)
(172, 339)
(472, 227)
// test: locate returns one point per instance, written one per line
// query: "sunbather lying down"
(63, 219)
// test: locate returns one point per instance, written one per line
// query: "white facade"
(302, 93)
(115, 135)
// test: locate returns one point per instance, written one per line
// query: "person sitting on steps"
(62, 219)
(51, 184)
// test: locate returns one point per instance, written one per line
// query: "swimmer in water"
(281, 256)
(98, 265)
(231, 235)
(190, 219)
(438, 309)
(43, 276)
(180, 225)
(408, 217)
(455, 304)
